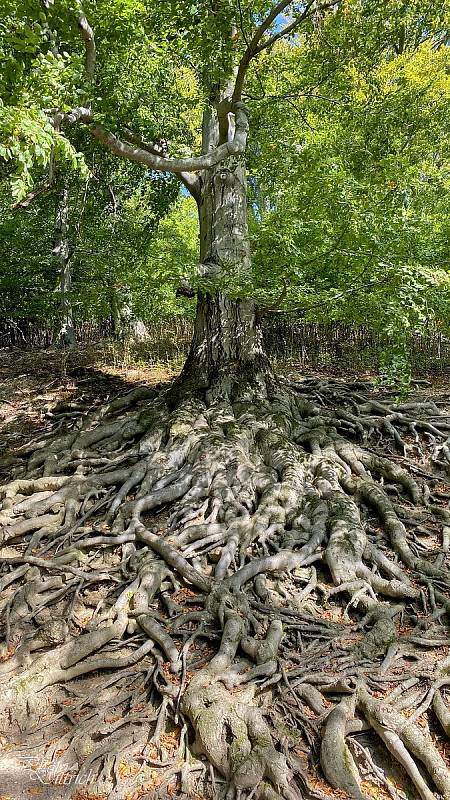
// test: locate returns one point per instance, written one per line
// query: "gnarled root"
(400, 736)
(230, 731)
(268, 521)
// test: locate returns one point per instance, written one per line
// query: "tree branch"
(78, 114)
(295, 23)
(250, 50)
(89, 42)
(292, 25)
(36, 192)
(265, 24)
(188, 179)
(158, 148)
(179, 166)
(192, 183)
(148, 154)
(328, 300)
(256, 46)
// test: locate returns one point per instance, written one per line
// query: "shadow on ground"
(38, 388)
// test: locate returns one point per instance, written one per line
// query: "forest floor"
(35, 384)
(36, 390)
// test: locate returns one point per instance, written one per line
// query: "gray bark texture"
(61, 252)
(227, 335)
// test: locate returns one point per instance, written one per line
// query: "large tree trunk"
(126, 325)
(227, 339)
(116, 317)
(227, 335)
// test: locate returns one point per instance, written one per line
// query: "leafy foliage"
(114, 217)
(348, 158)
(36, 79)
(354, 220)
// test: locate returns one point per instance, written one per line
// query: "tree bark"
(227, 336)
(61, 251)
(227, 339)
(117, 327)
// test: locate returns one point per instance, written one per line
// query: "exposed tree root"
(226, 591)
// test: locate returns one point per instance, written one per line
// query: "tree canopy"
(348, 157)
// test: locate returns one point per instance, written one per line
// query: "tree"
(353, 215)
(117, 252)
(263, 501)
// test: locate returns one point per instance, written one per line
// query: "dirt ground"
(35, 386)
